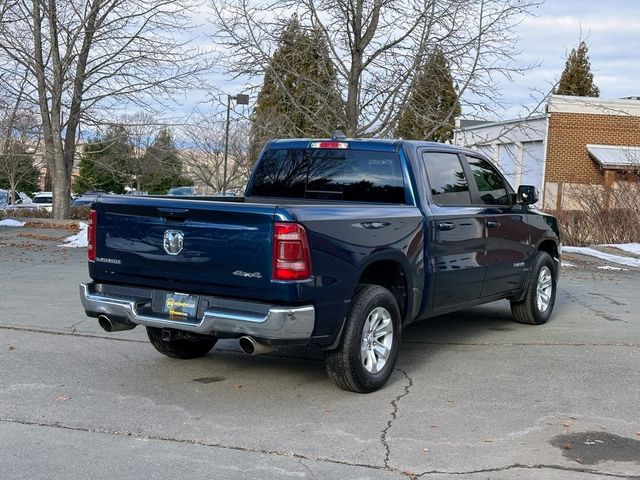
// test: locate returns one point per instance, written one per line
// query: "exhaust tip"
(105, 323)
(247, 346)
(252, 347)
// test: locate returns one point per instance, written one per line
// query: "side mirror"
(527, 195)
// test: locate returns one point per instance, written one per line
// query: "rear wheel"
(364, 360)
(185, 348)
(538, 302)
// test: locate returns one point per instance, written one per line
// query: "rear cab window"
(447, 180)
(330, 174)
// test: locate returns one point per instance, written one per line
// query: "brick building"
(581, 143)
(590, 141)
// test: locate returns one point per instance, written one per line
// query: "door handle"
(492, 224)
(446, 226)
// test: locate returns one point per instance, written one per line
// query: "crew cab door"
(456, 232)
(508, 241)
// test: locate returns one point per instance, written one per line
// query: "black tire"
(528, 310)
(345, 365)
(181, 347)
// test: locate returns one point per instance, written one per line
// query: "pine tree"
(299, 96)
(433, 103)
(102, 161)
(577, 79)
(166, 163)
(17, 170)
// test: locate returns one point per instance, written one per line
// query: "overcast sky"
(611, 29)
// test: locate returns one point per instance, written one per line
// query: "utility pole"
(240, 99)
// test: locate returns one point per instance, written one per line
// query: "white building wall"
(517, 147)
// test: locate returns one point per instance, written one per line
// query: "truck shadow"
(421, 342)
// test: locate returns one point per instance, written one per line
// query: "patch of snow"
(592, 252)
(627, 247)
(567, 264)
(11, 223)
(615, 269)
(79, 240)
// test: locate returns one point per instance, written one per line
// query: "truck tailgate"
(224, 245)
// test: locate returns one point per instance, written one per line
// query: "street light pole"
(240, 100)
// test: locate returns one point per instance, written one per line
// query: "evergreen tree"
(299, 96)
(167, 165)
(577, 79)
(433, 103)
(102, 161)
(17, 170)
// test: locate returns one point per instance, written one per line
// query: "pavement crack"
(190, 441)
(515, 466)
(68, 333)
(306, 467)
(606, 297)
(392, 418)
(73, 327)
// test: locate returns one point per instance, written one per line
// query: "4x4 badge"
(173, 241)
(240, 273)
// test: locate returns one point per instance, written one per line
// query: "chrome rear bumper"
(235, 317)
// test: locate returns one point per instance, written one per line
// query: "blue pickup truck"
(337, 243)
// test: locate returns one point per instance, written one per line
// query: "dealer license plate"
(180, 305)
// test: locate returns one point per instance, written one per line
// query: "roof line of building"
(593, 105)
(503, 122)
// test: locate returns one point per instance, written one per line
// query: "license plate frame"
(180, 306)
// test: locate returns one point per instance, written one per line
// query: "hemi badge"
(113, 261)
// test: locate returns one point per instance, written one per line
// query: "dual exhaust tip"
(109, 325)
(248, 344)
(251, 346)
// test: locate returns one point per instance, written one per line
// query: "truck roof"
(380, 144)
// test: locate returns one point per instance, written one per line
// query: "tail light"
(91, 236)
(291, 260)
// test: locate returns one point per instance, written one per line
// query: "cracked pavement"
(474, 394)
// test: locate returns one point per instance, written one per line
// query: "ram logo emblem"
(173, 241)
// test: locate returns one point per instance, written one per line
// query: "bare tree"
(82, 55)
(377, 46)
(141, 129)
(19, 139)
(203, 158)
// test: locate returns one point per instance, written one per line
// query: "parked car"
(182, 191)
(43, 200)
(6, 198)
(338, 243)
(228, 193)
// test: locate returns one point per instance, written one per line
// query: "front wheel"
(540, 297)
(180, 347)
(364, 360)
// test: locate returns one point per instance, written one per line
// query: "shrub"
(25, 213)
(79, 213)
(600, 215)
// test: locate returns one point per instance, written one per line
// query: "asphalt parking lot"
(474, 395)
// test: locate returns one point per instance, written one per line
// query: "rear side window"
(446, 179)
(490, 184)
(328, 174)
